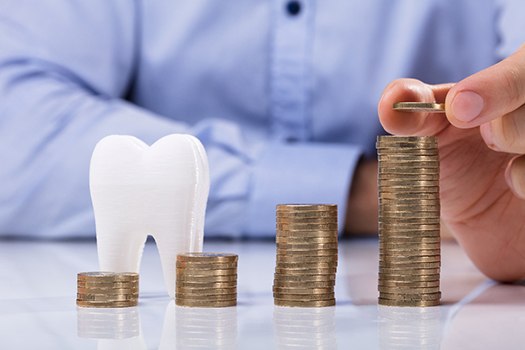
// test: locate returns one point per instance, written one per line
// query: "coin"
(308, 284)
(205, 266)
(200, 303)
(306, 214)
(304, 277)
(107, 276)
(111, 304)
(306, 246)
(323, 220)
(318, 303)
(291, 290)
(408, 284)
(305, 207)
(418, 303)
(407, 290)
(206, 257)
(429, 107)
(205, 291)
(306, 233)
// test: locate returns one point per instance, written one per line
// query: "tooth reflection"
(117, 328)
(409, 327)
(299, 328)
(199, 328)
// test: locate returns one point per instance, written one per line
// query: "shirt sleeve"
(63, 72)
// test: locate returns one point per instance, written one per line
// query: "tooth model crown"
(138, 190)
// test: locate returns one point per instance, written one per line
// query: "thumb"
(488, 94)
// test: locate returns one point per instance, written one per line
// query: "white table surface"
(38, 286)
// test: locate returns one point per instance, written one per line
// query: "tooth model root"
(139, 190)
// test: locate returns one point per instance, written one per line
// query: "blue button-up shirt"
(284, 100)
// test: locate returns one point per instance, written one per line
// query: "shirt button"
(293, 8)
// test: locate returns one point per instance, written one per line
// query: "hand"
(482, 179)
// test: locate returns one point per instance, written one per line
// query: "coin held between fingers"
(429, 107)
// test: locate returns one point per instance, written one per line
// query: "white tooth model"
(139, 190)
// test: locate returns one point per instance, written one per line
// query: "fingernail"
(513, 174)
(467, 105)
(488, 136)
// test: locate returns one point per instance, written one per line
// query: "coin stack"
(409, 213)
(206, 280)
(107, 289)
(306, 255)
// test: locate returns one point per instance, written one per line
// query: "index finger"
(408, 123)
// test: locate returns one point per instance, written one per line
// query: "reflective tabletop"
(38, 311)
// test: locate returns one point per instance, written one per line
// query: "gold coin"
(420, 296)
(431, 107)
(408, 284)
(307, 240)
(306, 259)
(395, 254)
(306, 234)
(206, 279)
(419, 303)
(319, 303)
(433, 265)
(97, 290)
(83, 284)
(306, 207)
(210, 285)
(206, 266)
(110, 304)
(387, 177)
(411, 271)
(408, 290)
(305, 253)
(104, 297)
(324, 220)
(306, 246)
(403, 248)
(301, 285)
(205, 291)
(208, 257)
(209, 298)
(387, 139)
(212, 304)
(308, 291)
(198, 272)
(311, 271)
(101, 276)
(305, 227)
(304, 278)
(306, 214)
(321, 265)
(408, 278)
(408, 257)
(303, 297)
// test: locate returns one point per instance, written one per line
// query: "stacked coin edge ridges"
(306, 261)
(107, 289)
(409, 221)
(206, 280)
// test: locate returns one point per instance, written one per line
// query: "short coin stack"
(306, 255)
(107, 289)
(206, 280)
(409, 214)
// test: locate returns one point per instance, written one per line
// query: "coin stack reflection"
(305, 328)
(107, 289)
(409, 214)
(197, 328)
(206, 280)
(306, 255)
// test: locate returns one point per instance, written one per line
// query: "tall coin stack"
(409, 213)
(107, 289)
(206, 280)
(306, 255)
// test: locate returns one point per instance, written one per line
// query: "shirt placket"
(290, 71)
